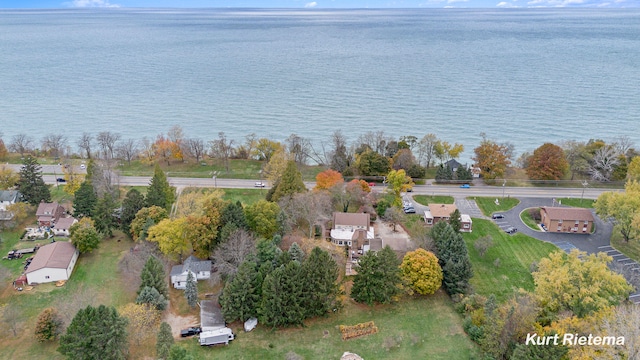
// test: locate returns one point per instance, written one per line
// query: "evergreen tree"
(233, 213)
(103, 215)
(96, 333)
(179, 353)
(164, 341)
(191, 291)
(296, 252)
(160, 193)
(153, 275)
(540, 352)
(150, 295)
(31, 185)
(282, 293)
(455, 221)
(378, 277)
(240, 299)
(464, 173)
(320, 274)
(444, 173)
(132, 203)
(290, 183)
(453, 258)
(85, 200)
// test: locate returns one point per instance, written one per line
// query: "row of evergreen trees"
(282, 288)
(446, 173)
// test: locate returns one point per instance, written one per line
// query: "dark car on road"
(511, 230)
(190, 331)
(497, 216)
(61, 180)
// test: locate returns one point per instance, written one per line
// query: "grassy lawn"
(575, 202)
(94, 281)
(528, 220)
(428, 199)
(246, 196)
(488, 204)
(631, 249)
(238, 169)
(409, 329)
(516, 254)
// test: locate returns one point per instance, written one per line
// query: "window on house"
(340, 242)
(466, 226)
(560, 222)
(349, 243)
(46, 277)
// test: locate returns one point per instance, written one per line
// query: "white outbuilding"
(52, 262)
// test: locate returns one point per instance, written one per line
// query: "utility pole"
(584, 186)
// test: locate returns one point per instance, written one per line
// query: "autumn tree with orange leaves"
(547, 163)
(165, 150)
(328, 179)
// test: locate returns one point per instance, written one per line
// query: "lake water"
(523, 76)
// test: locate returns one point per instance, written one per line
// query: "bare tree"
(299, 147)
(54, 144)
(344, 195)
(84, 143)
(250, 142)
(107, 141)
(625, 322)
(195, 147)
(222, 148)
(231, 253)
(376, 141)
(21, 143)
(176, 135)
(604, 162)
(147, 152)
(394, 216)
(12, 318)
(340, 157)
(127, 150)
(622, 144)
(426, 149)
(305, 210)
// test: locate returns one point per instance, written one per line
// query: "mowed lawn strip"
(488, 204)
(516, 253)
(414, 328)
(437, 199)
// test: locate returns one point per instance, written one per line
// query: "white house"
(351, 229)
(201, 269)
(61, 227)
(8, 197)
(52, 262)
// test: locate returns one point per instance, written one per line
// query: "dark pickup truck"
(190, 331)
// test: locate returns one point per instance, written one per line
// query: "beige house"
(352, 229)
(566, 219)
(52, 262)
(61, 227)
(49, 213)
(442, 212)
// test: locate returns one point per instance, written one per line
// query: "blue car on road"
(465, 186)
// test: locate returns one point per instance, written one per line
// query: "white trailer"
(217, 336)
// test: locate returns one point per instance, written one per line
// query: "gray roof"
(191, 263)
(210, 314)
(9, 195)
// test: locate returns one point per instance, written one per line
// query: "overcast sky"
(315, 4)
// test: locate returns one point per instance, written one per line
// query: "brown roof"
(441, 210)
(56, 255)
(568, 213)
(355, 219)
(47, 209)
(64, 223)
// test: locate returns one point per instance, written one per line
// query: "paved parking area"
(468, 206)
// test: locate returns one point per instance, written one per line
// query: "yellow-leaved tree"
(624, 207)
(421, 271)
(171, 236)
(144, 320)
(398, 181)
(577, 282)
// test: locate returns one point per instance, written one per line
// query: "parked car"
(259, 184)
(61, 180)
(372, 184)
(465, 186)
(511, 230)
(497, 216)
(83, 166)
(410, 189)
(409, 210)
(190, 331)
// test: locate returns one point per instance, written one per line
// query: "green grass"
(246, 196)
(437, 199)
(488, 205)
(238, 169)
(516, 254)
(411, 329)
(574, 202)
(631, 248)
(528, 220)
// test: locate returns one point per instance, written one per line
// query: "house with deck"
(352, 229)
(61, 227)
(49, 213)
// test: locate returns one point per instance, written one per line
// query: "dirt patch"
(398, 240)
(178, 322)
